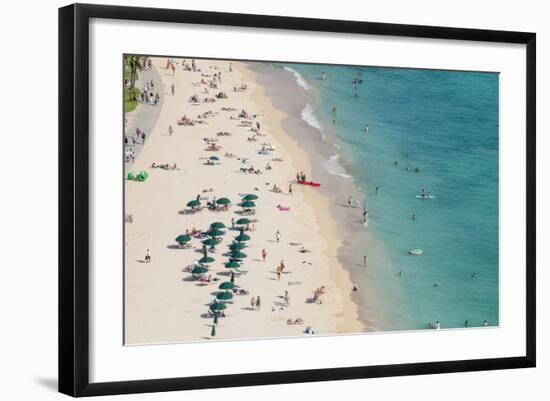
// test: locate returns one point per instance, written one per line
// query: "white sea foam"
(333, 166)
(309, 117)
(299, 79)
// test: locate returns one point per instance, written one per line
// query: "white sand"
(162, 304)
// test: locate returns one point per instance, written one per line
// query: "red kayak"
(310, 183)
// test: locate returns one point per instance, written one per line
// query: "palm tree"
(134, 62)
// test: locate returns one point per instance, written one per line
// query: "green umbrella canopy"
(217, 225)
(238, 255)
(183, 238)
(210, 242)
(243, 221)
(237, 246)
(216, 233)
(206, 259)
(242, 237)
(223, 201)
(248, 204)
(218, 306)
(250, 197)
(227, 285)
(193, 203)
(199, 270)
(224, 296)
(232, 265)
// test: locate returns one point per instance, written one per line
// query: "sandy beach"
(164, 302)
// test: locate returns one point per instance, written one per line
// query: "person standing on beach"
(278, 236)
(365, 260)
(258, 303)
(232, 222)
(287, 298)
(349, 201)
(264, 254)
(148, 256)
(290, 189)
(252, 303)
(365, 215)
(170, 130)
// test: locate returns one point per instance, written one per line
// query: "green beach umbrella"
(242, 237)
(238, 255)
(193, 203)
(217, 225)
(206, 259)
(243, 221)
(216, 233)
(237, 246)
(223, 201)
(213, 332)
(183, 238)
(218, 306)
(199, 270)
(227, 285)
(224, 296)
(248, 204)
(210, 242)
(250, 197)
(232, 265)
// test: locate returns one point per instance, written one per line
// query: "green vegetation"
(132, 65)
(130, 102)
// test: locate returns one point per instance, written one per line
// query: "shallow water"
(446, 124)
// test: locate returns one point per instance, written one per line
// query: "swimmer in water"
(436, 284)
(401, 273)
(474, 275)
(334, 109)
(366, 128)
(355, 287)
(413, 217)
(377, 188)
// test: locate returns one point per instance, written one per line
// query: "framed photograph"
(251, 199)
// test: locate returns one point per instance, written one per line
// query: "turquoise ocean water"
(446, 124)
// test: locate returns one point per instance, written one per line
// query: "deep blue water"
(445, 123)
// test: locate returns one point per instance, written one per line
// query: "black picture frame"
(74, 198)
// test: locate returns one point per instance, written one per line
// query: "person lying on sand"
(283, 208)
(298, 320)
(304, 250)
